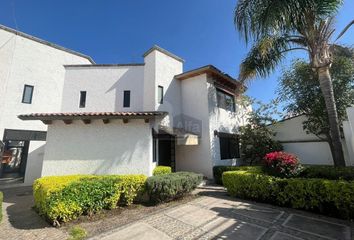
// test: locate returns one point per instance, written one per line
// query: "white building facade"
(31, 80)
(129, 118)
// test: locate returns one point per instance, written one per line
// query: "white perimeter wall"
(97, 148)
(24, 61)
(307, 147)
(105, 86)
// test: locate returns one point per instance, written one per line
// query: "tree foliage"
(256, 137)
(299, 88)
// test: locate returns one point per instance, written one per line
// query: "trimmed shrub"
(64, 198)
(160, 170)
(330, 197)
(163, 188)
(1, 199)
(328, 172)
(219, 170)
(282, 164)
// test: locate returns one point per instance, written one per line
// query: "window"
(82, 102)
(225, 100)
(160, 95)
(27, 94)
(229, 146)
(126, 99)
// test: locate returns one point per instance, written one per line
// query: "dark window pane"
(229, 146)
(224, 148)
(82, 103)
(126, 99)
(225, 100)
(27, 94)
(160, 95)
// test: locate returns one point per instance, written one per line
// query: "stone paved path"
(21, 222)
(212, 216)
(217, 216)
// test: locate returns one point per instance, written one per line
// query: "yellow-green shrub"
(219, 170)
(330, 197)
(64, 198)
(160, 170)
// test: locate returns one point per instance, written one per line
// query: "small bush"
(77, 233)
(1, 199)
(328, 172)
(330, 197)
(282, 164)
(163, 188)
(160, 170)
(64, 198)
(219, 170)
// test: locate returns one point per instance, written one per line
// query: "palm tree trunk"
(327, 91)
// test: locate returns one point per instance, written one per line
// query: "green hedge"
(328, 172)
(64, 198)
(1, 199)
(167, 187)
(330, 197)
(219, 170)
(160, 170)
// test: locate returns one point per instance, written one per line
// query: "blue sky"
(120, 31)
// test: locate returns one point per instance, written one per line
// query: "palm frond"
(256, 19)
(345, 30)
(264, 57)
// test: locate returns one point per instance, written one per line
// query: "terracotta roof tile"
(89, 115)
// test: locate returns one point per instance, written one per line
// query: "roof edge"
(204, 70)
(105, 65)
(53, 45)
(160, 49)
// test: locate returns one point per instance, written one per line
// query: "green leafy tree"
(277, 27)
(300, 90)
(256, 137)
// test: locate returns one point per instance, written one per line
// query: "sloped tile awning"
(86, 117)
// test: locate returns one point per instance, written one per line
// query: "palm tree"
(279, 26)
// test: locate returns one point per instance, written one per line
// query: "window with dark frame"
(160, 95)
(126, 98)
(225, 100)
(82, 102)
(229, 146)
(27, 94)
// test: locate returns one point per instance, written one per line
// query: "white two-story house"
(128, 118)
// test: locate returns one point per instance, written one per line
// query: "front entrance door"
(166, 151)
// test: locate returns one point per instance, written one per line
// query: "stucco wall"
(224, 121)
(97, 148)
(105, 86)
(309, 148)
(24, 61)
(160, 70)
(196, 158)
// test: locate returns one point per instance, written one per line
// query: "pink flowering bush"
(282, 164)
